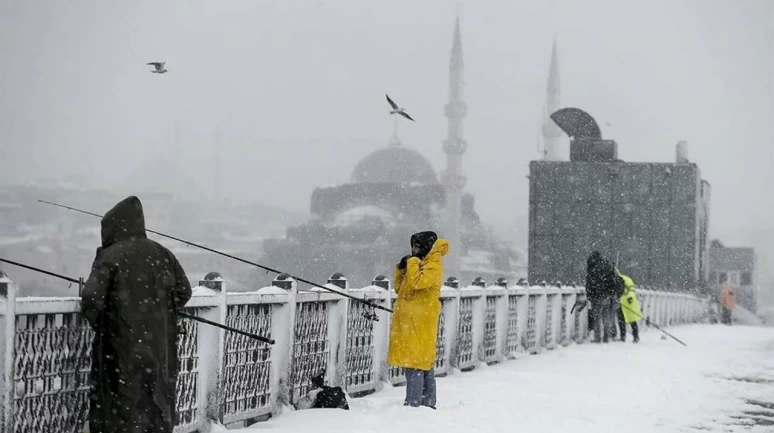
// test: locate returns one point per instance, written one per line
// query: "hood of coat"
(594, 260)
(125, 221)
(422, 243)
(440, 248)
(628, 282)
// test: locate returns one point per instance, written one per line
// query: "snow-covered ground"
(722, 382)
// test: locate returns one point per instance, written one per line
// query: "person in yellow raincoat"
(414, 328)
(630, 311)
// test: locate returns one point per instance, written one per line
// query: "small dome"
(394, 165)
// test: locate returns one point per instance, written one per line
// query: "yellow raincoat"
(629, 303)
(414, 327)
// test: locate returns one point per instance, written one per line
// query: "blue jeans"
(420, 388)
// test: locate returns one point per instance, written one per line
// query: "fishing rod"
(179, 313)
(648, 322)
(239, 259)
(79, 281)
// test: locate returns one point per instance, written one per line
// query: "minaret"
(454, 146)
(551, 132)
(394, 141)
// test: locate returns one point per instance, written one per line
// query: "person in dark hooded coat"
(130, 300)
(600, 290)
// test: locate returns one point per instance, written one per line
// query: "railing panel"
(247, 363)
(549, 334)
(532, 340)
(564, 324)
(442, 360)
(187, 387)
(490, 329)
(311, 347)
(52, 364)
(466, 356)
(513, 344)
(360, 349)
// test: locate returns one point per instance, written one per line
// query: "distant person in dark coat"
(130, 300)
(600, 290)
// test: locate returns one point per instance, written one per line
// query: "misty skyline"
(296, 91)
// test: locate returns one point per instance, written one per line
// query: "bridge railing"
(224, 377)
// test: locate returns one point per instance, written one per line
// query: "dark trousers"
(420, 388)
(726, 316)
(622, 327)
(604, 319)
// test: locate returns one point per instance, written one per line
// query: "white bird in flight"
(396, 109)
(159, 67)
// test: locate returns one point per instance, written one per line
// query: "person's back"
(130, 300)
(600, 283)
(597, 277)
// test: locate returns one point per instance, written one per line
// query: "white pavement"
(722, 382)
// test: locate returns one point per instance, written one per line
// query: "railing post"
(479, 319)
(522, 315)
(568, 297)
(211, 346)
(337, 331)
(583, 316)
(541, 307)
(7, 341)
(381, 369)
(283, 325)
(554, 297)
(451, 322)
(501, 285)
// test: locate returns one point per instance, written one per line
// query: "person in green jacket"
(630, 311)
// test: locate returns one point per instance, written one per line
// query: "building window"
(747, 278)
(733, 278)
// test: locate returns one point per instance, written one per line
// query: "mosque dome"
(394, 164)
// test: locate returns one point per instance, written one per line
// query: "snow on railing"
(228, 378)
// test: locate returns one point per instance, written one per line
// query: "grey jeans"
(420, 388)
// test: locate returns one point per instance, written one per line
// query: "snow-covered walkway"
(723, 381)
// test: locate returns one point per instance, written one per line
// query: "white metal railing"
(224, 377)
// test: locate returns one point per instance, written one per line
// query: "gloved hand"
(403, 261)
(631, 300)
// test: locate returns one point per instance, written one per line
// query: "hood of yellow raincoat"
(440, 249)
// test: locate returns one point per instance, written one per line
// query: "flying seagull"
(395, 109)
(159, 67)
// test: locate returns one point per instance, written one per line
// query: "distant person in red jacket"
(727, 301)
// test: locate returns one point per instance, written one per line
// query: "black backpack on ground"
(329, 397)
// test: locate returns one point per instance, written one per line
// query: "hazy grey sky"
(297, 89)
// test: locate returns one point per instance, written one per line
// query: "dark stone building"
(650, 217)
